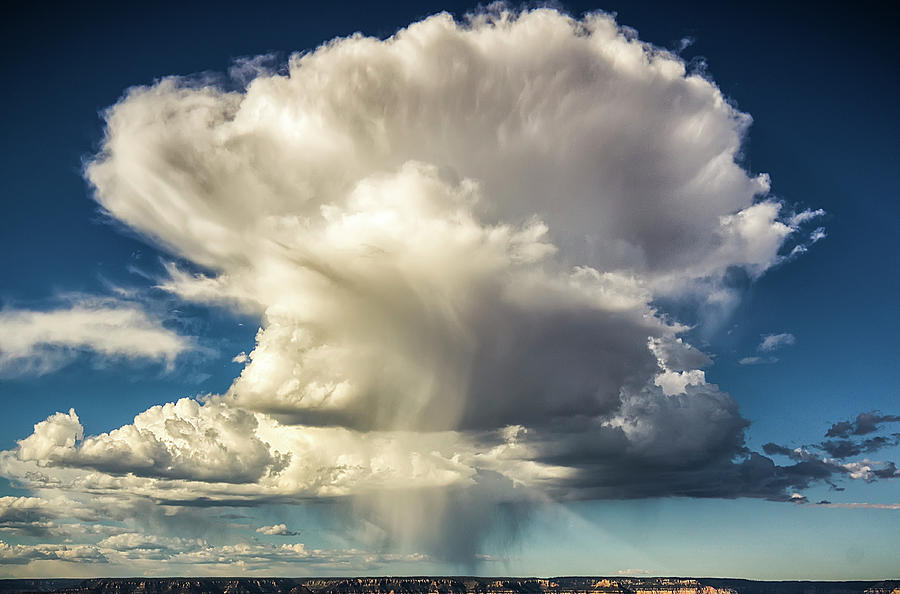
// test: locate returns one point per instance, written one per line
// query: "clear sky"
(590, 289)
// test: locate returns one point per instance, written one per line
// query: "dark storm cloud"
(864, 423)
(846, 448)
(773, 449)
(828, 459)
(889, 471)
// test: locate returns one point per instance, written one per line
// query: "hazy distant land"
(442, 585)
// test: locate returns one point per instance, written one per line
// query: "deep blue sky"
(819, 80)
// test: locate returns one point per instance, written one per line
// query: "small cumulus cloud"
(277, 530)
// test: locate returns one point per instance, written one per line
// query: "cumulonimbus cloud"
(454, 239)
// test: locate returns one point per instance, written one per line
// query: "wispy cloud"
(768, 344)
(38, 342)
(757, 360)
(773, 342)
(889, 506)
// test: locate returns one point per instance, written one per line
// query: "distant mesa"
(441, 585)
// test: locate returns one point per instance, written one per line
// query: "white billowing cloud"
(773, 342)
(680, 363)
(454, 239)
(42, 341)
(422, 318)
(53, 437)
(39, 515)
(867, 470)
(24, 554)
(447, 249)
(133, 541)
(187, 450)
(177, 440)
(546, 129)
(28, 515)
(276, 530)
(675, 382)
(15, 508)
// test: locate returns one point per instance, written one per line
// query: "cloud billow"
(454, 239)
